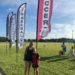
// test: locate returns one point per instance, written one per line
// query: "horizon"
(43, 39)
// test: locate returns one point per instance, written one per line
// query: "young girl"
(35, 62)
(72, 52)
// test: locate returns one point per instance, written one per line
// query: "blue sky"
(63, 17)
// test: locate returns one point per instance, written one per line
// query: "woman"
(28, 58)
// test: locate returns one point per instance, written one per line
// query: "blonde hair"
(34, 50)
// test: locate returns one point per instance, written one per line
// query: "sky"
(62, 22)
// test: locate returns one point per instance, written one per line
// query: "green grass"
(50, 63)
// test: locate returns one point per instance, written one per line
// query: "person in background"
(28, 58)
(72, 52)
(74, 45)
(35, 62)
(63, 47)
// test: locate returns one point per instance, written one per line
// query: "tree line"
(3, 39)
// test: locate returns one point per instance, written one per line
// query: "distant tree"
(2, 39)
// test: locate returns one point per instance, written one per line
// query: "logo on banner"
(45, 21)
(44, 18)
(8, 25)
(13, 29)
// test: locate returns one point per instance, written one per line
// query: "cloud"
(17, 2)
(73, 22)
(29, 35)
(9, 2)
(57, 26)
(62, 31)
(65, 9)
(69, 30)
(31, 17)
(9, 10)
(64, 6)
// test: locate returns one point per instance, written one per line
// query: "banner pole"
(37, 26)
(6, 45)
(17, 52)
(6, 32)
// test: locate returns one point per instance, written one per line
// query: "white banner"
(12, 29)
(20, 25)
(8, 25)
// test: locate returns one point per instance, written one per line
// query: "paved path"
(0, 74)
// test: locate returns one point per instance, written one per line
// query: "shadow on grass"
(73, 66)
(54, 58)
(2, 72)
(72, 59)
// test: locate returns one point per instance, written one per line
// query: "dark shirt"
(63, 47)
(28, 54)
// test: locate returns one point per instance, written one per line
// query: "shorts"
(27, 59)
(35, 66)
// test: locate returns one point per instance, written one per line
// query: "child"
(72, 51)
(35, 62)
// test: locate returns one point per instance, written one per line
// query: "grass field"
(50, 62)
